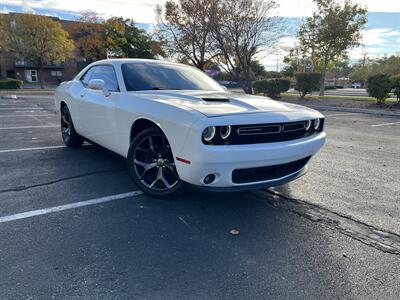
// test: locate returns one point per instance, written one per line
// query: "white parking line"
(44, 115)
(29, 127)
(31, 149)
(385, 124)
(22, 108)
(49, 210)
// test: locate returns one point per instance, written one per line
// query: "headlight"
(209, 133)
(225, 132)
(308, 125)
(317, 122)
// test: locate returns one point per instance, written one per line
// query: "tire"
(70, 137)
(151, 165)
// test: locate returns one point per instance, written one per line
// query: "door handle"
(82, 94)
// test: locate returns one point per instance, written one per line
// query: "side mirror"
(99, 84)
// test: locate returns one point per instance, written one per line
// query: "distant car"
(356, 85)
(175, 125)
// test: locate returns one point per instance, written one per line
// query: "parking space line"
(49, 210)
(13, 116)
(385, 124)
(31, 149)
(21, 108)
(29, 127)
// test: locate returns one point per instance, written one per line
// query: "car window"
(155, 76)
(105, 73)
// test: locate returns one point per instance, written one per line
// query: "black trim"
(265, 133)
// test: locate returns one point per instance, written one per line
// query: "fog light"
(317, 122)
(209, 178)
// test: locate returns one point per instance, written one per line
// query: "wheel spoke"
(171, 166)
(164, 180)
(145, 166)
(65, 120)
(151, 144)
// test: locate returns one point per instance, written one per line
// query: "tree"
(396, 86)
(326, 36)
(241, 28)
(307, 82)
(379, 87)
(89, 36)
(185, 29)
(124, 39)
(38, 40)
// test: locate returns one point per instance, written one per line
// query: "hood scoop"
(215, 99)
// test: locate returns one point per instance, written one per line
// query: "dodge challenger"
(177, 127)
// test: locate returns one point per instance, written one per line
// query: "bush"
(271, 87)
(10, 83)
(379, 87)
(396, 86)
(307, 82)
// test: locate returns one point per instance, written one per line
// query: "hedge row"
(10, 84)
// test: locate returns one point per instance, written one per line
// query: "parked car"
(356, 85)
(177, 126)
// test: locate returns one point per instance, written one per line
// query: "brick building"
(12, 67)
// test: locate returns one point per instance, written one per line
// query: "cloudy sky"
(382, 34)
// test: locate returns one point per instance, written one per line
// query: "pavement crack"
(380, 239)
(27, 187)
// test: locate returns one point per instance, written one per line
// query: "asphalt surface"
(307, 242)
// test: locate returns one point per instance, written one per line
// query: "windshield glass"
(156, 76)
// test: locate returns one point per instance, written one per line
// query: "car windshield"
(156, 76)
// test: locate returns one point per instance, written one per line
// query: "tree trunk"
(248, 88)
(322, 82)
(41, 77)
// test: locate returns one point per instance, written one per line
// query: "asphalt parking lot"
(73, 226)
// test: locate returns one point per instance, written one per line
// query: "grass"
(316, 97)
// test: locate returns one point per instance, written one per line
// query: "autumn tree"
(124, 39)
(326, 37)
(89, 36)
(38, 40)
(241, 29)
(185, 28)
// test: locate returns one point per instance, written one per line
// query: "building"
(12, 67)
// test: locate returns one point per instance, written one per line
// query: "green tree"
(396, 86)
(326, 36)
(307, 82)
(38, 40)
(124, 39)
(379, 87)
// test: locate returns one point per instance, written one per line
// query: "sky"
(382, 34)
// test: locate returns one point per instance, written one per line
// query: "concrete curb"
(9, 97)
(355, 110)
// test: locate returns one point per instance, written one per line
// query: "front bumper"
(223, 160)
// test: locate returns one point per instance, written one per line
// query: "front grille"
(266, 133)
(269, 172)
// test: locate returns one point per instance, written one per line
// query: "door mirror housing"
(100, 85)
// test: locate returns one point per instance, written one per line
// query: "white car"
(175, 125)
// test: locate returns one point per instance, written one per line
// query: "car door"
(97, 111)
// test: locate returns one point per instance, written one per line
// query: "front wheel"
(70, 137)
(151, 164)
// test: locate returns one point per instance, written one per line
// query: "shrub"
(10, 83)
(271, 87)
(396, 86)
(379, 87)
(307, 82)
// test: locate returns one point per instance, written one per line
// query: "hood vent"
(215, 99)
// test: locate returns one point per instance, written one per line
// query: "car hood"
(213, 104)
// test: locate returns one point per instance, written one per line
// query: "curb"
(9, 97)
(356, 110)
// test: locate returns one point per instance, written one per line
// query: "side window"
(107, 74)
(86, 77)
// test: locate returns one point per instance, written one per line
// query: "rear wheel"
(151, 164)
(70, 137)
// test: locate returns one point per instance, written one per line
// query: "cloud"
(378, 36)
